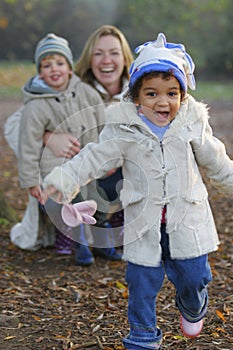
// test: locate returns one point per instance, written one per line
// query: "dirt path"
(48, 303)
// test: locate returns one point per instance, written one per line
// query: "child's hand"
(36, 192)
(50, 190)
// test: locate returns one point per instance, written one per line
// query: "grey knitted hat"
(52, 44)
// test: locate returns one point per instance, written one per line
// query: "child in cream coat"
(159, 135)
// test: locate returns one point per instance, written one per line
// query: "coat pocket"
(196, 208)
(196, 194)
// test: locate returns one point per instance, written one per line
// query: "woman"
(104, 64)
(105, 61)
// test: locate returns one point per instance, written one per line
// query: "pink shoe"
(189, 329)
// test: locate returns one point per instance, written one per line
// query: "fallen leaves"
(220, 315)
(49, 303)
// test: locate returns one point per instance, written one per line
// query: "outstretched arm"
(93, 162)
(210, 154)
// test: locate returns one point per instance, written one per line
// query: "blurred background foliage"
(204, 27)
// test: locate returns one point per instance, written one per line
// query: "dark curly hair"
(133, 91)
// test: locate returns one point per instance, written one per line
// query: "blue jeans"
(190, 278)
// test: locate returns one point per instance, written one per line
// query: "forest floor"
(49, 303)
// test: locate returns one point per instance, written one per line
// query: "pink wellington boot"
(190, 329)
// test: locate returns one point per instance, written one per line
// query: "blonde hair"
(83, 66)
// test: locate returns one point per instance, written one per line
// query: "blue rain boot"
(109, 253)
(83, 255)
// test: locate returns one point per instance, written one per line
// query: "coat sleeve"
(30, 146)
(210, 154)
(93, 162)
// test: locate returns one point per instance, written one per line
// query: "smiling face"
(55, 71)
(159, 98)
(108, 63)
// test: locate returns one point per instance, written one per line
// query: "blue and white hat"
(161, 56)
(52, 44)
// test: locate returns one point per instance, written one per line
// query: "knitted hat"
(161, 56)
(52, 44)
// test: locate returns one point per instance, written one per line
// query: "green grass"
(213, 91)
(13, 76)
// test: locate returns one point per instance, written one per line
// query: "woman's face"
(108, 63)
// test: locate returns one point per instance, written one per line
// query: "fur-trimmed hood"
(190, 112)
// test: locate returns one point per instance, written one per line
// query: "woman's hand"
(62, 145)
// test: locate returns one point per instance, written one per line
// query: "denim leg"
(191, 289)
(190, 278)
(144, 284)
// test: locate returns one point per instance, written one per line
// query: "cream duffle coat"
(79, 111)
(156, 173)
